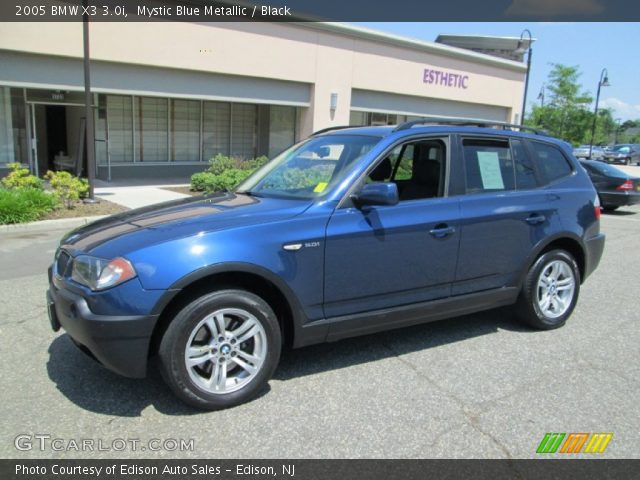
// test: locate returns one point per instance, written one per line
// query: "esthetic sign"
(445, 78)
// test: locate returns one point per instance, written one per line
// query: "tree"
(567, 115)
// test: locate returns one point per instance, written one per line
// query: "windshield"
(309, 169)
(622, 148)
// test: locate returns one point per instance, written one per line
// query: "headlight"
(98, 274)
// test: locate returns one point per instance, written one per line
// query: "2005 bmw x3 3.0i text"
(352, 231)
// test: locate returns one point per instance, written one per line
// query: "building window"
(376, 118)
(13, 133)
(185, 130)
(215, 129)
(282, 122)
(151, 118)
(120, 126)
(358, 119)
(244, 119)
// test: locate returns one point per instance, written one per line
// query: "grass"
(30, 204)
(25, 205)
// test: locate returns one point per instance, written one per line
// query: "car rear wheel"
(221, 349)
(550, 291)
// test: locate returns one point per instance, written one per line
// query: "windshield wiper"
(248, 193)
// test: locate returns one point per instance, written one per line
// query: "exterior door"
(504, 214)
(387, 256)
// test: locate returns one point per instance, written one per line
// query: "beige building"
(169, 96)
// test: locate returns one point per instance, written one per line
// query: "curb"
(47, 225)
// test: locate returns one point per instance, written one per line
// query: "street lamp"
(88, 108)
(541, 96)
(603, 82)
(521, 44)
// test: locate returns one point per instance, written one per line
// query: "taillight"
(628, 185)
(597, 209)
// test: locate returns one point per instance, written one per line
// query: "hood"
(131, 230)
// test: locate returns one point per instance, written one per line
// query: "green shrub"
(20, 178)
(199, 181)
(255, 163)
(221, 163)
(225, 173)
(209, 182)
(66, 187)
(21, 205)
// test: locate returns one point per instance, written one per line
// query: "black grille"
(62, 263)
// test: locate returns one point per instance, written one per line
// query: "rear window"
(606, 169)
(551, 161)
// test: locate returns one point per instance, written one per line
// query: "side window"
(417, 168)
(551, 162)
(405, 165)
(525, 169)
(488, 165)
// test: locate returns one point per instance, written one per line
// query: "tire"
(609, 208)
(627, 161)
(211, 370)
(530, 307)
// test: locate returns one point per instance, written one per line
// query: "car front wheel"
(221, 349)
(550, 291)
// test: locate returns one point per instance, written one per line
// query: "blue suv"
(349, 232)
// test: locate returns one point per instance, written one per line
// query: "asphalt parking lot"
(475, 386)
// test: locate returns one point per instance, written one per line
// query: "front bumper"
(120, 343)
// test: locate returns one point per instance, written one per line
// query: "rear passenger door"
(504, 213)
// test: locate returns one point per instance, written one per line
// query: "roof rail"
(467, 122)
(328, 129)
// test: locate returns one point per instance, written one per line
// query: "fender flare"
(298, 316)
(543, 244)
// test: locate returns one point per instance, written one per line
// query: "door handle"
(442, 230)
(535, 219)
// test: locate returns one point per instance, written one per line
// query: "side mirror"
(376, 194)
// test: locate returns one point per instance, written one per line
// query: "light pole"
(603, 82)
(88, 109)
(526, 81)
(541, 96)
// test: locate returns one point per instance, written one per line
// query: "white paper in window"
(490, 172)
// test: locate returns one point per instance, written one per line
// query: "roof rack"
(328, 129)
(467, 122)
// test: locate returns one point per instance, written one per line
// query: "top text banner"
(320, 10)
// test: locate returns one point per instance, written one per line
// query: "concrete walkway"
(138, 196)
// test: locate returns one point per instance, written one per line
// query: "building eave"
(415, 44)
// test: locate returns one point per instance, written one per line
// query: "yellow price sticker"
(320, 187)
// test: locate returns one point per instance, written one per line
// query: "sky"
(590, 46)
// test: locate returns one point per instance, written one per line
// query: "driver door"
(379, 257)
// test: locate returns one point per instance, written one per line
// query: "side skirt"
(337, 328)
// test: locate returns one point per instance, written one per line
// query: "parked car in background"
(351, 231)
(625, 153)
(597, 153)
(615, 187)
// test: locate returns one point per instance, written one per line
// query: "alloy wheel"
(226, 350)
(555, 289)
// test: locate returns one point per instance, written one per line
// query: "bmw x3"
(349, 232)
